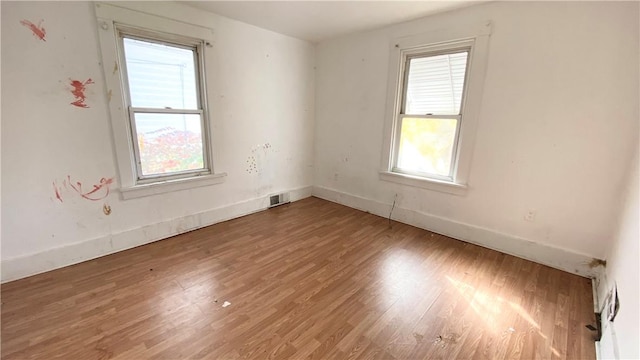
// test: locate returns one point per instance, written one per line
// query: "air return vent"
(279, 199)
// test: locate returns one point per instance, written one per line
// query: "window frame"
(112, 21)
(419, 53)
(195, 45)
(475, 40)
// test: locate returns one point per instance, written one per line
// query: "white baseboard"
(554, 257)
(32, 264)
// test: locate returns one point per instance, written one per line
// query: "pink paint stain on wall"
(78, 90)
(37, 30)
(57, 191)
(98, 191)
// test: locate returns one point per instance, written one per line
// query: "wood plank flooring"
(308, 280)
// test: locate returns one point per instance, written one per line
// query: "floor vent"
(275, 200)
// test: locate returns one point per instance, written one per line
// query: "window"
(430, 115)
(155, 72)
(165, 108)
(433, 111)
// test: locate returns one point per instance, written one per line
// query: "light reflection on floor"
(403, 275)
(493, 308)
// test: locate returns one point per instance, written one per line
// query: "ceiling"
(320, 20)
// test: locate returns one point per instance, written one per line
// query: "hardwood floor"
(311, 279)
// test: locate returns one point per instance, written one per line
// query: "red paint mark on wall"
(57, 191)
(98, 191)
(78, 90)
(37, 30)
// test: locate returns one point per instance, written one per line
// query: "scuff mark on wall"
(78, 90)
(106, 209)
(37, 30)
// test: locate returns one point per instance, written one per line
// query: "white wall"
(262, 93)
(556, 129)
(620, 337)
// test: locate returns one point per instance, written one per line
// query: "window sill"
(171, 185)
(430, 184)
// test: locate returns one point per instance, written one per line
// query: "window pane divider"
(143, 179)
(423, 174)
(457, 117)
(165, 111)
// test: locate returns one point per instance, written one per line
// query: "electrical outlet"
(530, 215)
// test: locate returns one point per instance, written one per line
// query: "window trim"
(111, 19)
(435, 43)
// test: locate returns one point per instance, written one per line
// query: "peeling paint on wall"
(257, 159)
(594, 263)
(252, 166)
(78, 90)
(37, 30)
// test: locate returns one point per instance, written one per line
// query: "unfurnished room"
(320, 180)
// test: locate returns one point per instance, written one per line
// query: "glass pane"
(169, 142)
(426, 145)
(435, 83)
(160, 76)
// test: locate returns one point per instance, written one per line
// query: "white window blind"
(435, 84)
(160, 76)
